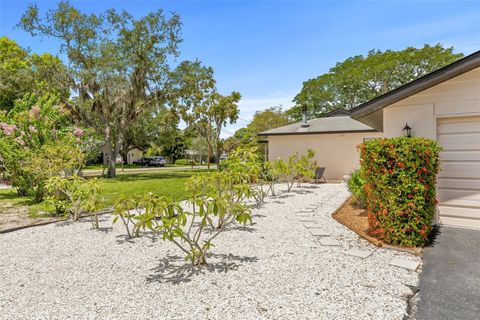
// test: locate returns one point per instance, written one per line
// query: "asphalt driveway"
(450, 281)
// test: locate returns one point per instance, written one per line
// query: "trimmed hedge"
(400, 178)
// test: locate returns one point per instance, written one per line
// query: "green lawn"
(169, 183)
(134, 166)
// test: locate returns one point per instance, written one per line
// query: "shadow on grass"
(155, 175)
(175, 270)
(11, 195)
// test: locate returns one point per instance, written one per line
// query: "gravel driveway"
(274, 269)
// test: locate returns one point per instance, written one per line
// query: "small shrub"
(356, 186)
(74, 195)
(296, 169)
(400, 178)
(305, 167)
(216, 201)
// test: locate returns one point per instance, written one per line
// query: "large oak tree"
(118, 65)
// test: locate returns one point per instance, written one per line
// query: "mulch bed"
(355, 218)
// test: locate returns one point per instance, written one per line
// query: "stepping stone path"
(329, 242)
(311, 225)
(318, 232)
(306, 218)
(358, 253)
(404, 263)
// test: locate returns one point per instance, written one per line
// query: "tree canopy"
(24, 73)
(118, 64)
(361, 78)
(202, 107)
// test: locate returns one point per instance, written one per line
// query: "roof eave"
(263, 134)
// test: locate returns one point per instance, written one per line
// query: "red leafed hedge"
(400, 178)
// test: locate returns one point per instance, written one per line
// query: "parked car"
(142, 162)
(157, 161)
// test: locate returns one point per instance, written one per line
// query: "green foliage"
(118, 64)
(356, 186)
(203, 108)
(186, 162)
(267, 119)
(22, 73)
(74, 195)
(37, 142)
(400, 178)
(305, 167)
(215, 203)
(295, 169)
(361, 78)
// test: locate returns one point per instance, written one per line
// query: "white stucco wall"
(336, 152)
(459, 96)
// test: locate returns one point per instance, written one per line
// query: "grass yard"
(169, 183)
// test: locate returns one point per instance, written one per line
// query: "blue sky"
(266, 49)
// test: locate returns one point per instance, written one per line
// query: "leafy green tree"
(22, 73)
(118, 65)
(267, 119)
(361, 78)
(202, 107)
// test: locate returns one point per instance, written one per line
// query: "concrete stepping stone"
(358, 253)
(318, 232)
(329, 242)
(306, 220)
(404, 263)
(311, 225)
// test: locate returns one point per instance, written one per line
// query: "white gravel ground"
(274, 269)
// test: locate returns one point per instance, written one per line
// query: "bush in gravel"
(216, 201)
(296, 169)
(400, 178)
(73, 196)
(305, 167)
(356, 186)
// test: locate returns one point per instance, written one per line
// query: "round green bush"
(400, 179)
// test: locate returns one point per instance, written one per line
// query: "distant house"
(134, 155)
(334, 139)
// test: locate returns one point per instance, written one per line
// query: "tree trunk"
(219, 153)
(209, 155)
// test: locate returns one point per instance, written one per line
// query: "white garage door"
(459, 178)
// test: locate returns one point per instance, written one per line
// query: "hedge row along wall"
(400, 178)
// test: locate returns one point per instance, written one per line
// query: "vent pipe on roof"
(304, 118)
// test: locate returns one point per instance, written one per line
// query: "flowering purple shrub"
(37, 141)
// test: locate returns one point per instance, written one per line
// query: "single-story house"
(334, 138)
(445, 106)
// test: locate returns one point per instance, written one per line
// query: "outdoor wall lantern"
(407, 131)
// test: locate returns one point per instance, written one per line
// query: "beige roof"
(331, 124)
